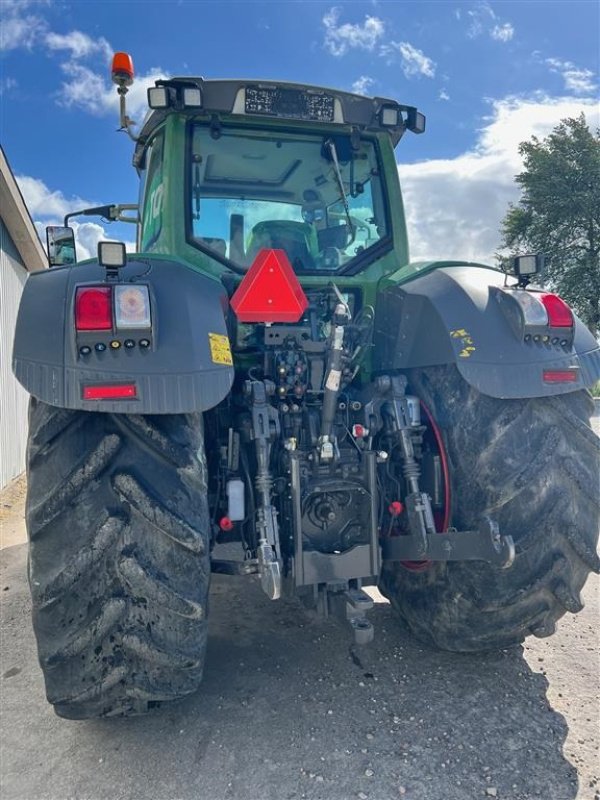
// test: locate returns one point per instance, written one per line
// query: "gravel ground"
(289, 709)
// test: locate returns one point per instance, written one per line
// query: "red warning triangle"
(270, 291)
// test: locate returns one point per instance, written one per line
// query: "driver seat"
(298, 239)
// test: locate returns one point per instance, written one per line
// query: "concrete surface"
(290, 710)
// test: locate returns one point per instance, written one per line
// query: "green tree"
(559, 213)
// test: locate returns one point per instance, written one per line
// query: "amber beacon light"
(122, 69)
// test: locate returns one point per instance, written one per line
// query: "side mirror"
(61, 246)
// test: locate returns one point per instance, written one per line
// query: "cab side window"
(151, 194)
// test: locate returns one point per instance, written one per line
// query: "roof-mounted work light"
(415, 120)
(389, 116)
(158, 97)
(192, 97)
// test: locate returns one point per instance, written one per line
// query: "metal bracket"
(352, 606)
(484, 544)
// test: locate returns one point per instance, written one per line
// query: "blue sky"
(487, 75)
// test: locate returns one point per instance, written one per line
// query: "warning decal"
(220, 352)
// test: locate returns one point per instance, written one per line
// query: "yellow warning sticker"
(220, 351)
(465, 342)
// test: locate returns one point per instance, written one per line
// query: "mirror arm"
(112, 213)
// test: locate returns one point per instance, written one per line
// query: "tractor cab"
(230, 168)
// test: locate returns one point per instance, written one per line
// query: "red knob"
(396, 508)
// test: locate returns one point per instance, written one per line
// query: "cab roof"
(267, 99)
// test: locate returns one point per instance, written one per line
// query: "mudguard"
(451, 314)
(186, 366)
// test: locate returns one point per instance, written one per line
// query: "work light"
(158, 97)
(112, 254)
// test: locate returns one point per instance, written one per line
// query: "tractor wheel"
(119, 560)
(533, 466)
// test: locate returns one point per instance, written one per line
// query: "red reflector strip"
(559, 313)
(122, 391)
(560, 376)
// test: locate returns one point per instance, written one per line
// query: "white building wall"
(13, 398)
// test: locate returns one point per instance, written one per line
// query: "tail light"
(559, 313)
(534, 312)
(93, 308)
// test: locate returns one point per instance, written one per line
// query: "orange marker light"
(122, 69)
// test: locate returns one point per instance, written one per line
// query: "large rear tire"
(119, 564)
(533, 466)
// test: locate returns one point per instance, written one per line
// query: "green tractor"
(270, 372)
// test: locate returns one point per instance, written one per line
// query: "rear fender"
(452, 315)
(186, 368)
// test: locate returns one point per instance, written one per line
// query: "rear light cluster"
(539, 317)
(542, 308)
(100, 308)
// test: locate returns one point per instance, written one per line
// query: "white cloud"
(93, 93)
(341, 38)
(19, 30)
(79, 44)
(43, 202)
(362, 84)
(577, 80)
(84, 88)
(87, 236)
(49, 207)
(502, 33)
(483, 19)
(454, 207)
(413, 61)
(443, 95)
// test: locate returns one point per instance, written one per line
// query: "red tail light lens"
(559, 313)
(93, 308)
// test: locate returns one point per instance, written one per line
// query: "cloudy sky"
(488, 75)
